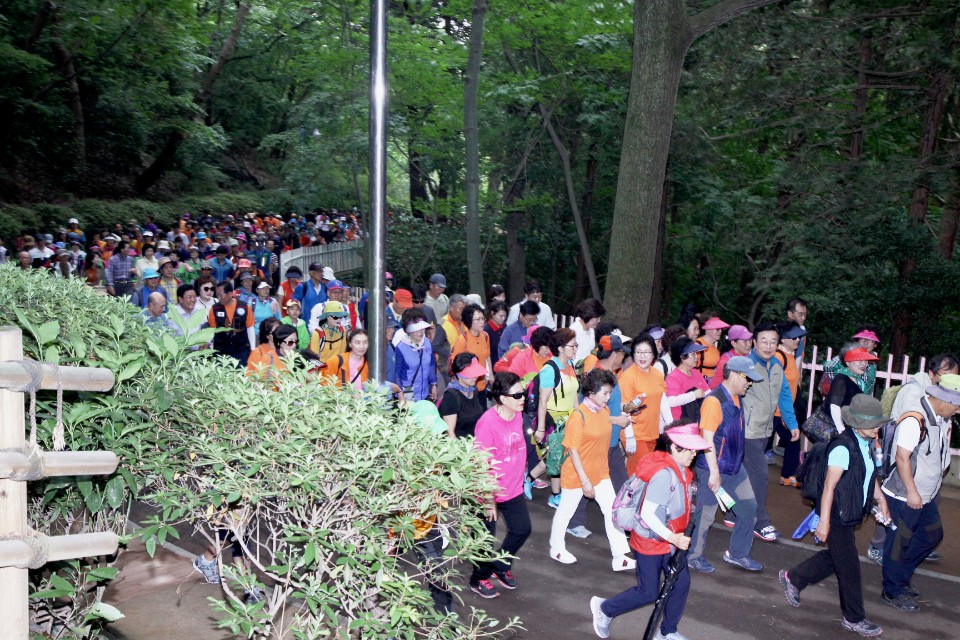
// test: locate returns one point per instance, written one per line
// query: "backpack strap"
(343, 376)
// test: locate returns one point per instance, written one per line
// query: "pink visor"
(715, 323)
(867, 335)
(687, 436)
(474, 370)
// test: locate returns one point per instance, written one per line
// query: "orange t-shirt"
(264, 362)
(708, 359)
(589, 433)
(790, 372)
(335, 374)
(633, 382)
(711, 414)
(478, 346)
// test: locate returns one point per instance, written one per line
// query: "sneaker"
(624, 563)
(580, 532)
(554, 501)
(701, 564)
(771, 459)
(563, 557)
(768, 534)
(789, 482)
(252, 596)
(745, 562)
(506, 579)
(864, 627)
(903, 602)
(910, 592)
(528, 488)
(208, 571)
(676, 635)
(727, 522)
(540, 484)
(485, 589)
(778, 451)
(601, 621)
(932, 557)
(792, 593)
(875, 554)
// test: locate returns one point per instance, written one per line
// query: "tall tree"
(472, 135)
(663, 33)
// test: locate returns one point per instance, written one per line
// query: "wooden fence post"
(16, 554)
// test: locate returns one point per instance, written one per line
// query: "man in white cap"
(913, 488)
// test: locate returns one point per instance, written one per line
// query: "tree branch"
(721, 13)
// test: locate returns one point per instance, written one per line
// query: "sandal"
(790, 482)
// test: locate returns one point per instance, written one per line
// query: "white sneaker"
(601, 621)
(676, 635)
(624, 563)
(563, 557)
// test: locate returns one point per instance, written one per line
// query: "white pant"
(569, 499)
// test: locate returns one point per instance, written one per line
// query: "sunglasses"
(418, 300)
(289, 343)
(206, 288)
(516, 396)
(682, 450)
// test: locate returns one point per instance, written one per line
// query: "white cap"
(328, 273)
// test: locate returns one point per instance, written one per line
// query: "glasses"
(418, 300)
(516, 396)
(206, 288)
(682, 450)
(571, 346)
(643, 353)
(290, 343)
(767, 343)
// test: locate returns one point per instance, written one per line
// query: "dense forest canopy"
(814, 149)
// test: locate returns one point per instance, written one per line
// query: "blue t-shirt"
(840, 457)
(616, 408)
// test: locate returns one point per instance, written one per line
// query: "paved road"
(164, 598)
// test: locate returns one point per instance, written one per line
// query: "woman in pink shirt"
(686, 386)
(500, 433)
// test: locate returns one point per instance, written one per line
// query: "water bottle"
(888, 523)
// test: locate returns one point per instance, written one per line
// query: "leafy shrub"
(322, 486)
(12, 219)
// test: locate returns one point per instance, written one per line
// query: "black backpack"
(532, 400)
(812, 473)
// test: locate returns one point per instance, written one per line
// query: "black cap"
(315, 266)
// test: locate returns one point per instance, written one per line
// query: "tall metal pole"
(376, 225)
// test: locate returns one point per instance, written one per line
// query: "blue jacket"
(416, 368)
(141, 296)
(222, 271)
(309, 297)
(728, 439)
(512, 334)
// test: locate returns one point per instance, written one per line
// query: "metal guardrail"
(339, 256)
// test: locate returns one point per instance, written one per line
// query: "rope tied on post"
(31, 386)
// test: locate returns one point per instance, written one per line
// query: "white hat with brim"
(417, 326)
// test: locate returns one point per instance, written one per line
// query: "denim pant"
(738, 486)
(755, 462)
(648, 586)
(840, 558)
(791, 450)
(514, 512)
(919, 531)
(618, 476)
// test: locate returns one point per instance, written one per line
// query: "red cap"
(859, 354)
(404, 298)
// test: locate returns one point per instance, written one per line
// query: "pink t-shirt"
(679, 383)
(508, 451)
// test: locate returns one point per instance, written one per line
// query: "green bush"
(13, 219)
(313, 479)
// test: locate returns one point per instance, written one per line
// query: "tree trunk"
(580, 282)
(472, 135)
(860, 98)
(418, 183)
(657, 289)
(74, 101)
(162, 162)
(662, 34)
(940, 84)
(572, 199)
(947, 237)
(661, 39)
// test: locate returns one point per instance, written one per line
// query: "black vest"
(235, 340)
(850, 505)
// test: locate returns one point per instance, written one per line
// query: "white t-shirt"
(585, 340)
(544, 318)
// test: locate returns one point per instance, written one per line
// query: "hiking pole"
(676, 563)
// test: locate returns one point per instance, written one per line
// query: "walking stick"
(675, 564)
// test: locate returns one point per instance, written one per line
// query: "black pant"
(791, 450)
(430, 551)
(840, 558)
(514, 512)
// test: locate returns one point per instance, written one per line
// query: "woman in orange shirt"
(476, 341)
(349, 369)
(707, 360)
(276, 342)
(645, 382)
(585, 473)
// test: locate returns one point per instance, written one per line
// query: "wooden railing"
(21, 548)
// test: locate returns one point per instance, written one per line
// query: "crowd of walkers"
(692, 413)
